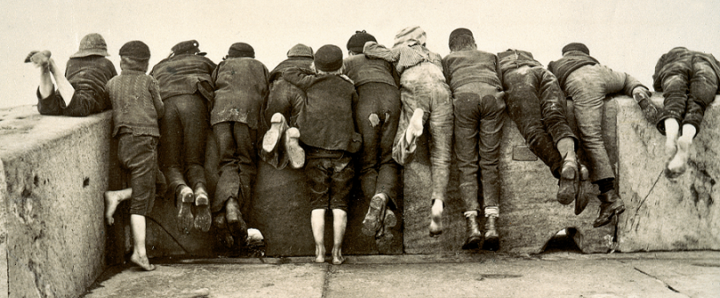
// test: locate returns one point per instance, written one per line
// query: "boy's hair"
(462, 42)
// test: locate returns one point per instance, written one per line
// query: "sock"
(471, 213)
(492, 211)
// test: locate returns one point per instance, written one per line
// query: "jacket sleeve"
(498, 70)
(374, 50)
(157, 101)
(299, 77)
(657, 81)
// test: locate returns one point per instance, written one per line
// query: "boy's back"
(133, 95)
(241, 88)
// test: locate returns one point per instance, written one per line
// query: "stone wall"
(52, 176)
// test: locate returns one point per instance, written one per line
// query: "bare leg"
(436, 212)
(46, 86)
(139, 256)
(317, 222)
(339, 224)
(677, 164)
(112, 200)
(671, 133)
(64, 87)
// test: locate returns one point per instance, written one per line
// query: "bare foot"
(143, 262)
(670, 147)
(677, 165)
(436, 218)
(112, 199)
(319, 254)
(337, 257)
(272, 136)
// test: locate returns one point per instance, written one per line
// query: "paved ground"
(560, 274)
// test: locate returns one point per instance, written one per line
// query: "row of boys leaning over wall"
(320, 111)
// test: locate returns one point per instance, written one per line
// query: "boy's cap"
(241, 49)
(328, 58)
(358, 40)
(409, 35)
(135, 49)
(91, 44)
(300, 50)
(576, 46)
(187, 47)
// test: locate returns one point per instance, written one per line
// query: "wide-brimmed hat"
(92, 44)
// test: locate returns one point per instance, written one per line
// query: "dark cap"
(241, 49)
(187, 47)
(328, 58)
(91, 44)
(135, 49)
(300, 50)
(576, 46)
(358, 40)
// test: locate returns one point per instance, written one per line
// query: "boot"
(610, 204)
(271, 140)
(492, 239)
(295, 153)
(203, 219)
(222, 232)
(235, 222)
(371, 223)
(581, 200)
(474, 236)
(185, 197)
(569, 180)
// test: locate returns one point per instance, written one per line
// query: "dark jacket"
(326, 117)
(91, 73)
(677, 58)
(514, 59)
(136, 103)
(184, 74)
(241, 90)
(569, 63)
(285, 98)
(471, 66)
(363, 70)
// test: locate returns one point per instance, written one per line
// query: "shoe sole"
(185, 218)
(567, 189)
(491, 244)
(272, 137)
(371, 223)
(203, 219)
(616, 212)
(473, 243)
(295, 153)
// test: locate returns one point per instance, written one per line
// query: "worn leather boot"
(610, 205)
(235, 222)
(203, 218)
(376, 213)
(582, 200)
(492, 239)
(569, 181)
(474, 236)
(185, 198)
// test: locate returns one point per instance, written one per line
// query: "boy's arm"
(302, 78)
(374, 50)
(657, 84)
(157, 101)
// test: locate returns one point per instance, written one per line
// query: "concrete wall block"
(55, 170)
(665, 214)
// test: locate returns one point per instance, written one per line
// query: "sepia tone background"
(625, 35)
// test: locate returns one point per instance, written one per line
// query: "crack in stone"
(637, 210)
(660, 280)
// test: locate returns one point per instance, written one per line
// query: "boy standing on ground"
(136, 108)
(377, 115)
(81, 91)
(241, 84)
(327, 129)
(589, 83)
(689, 82)
(425, 98)
(186, 88)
